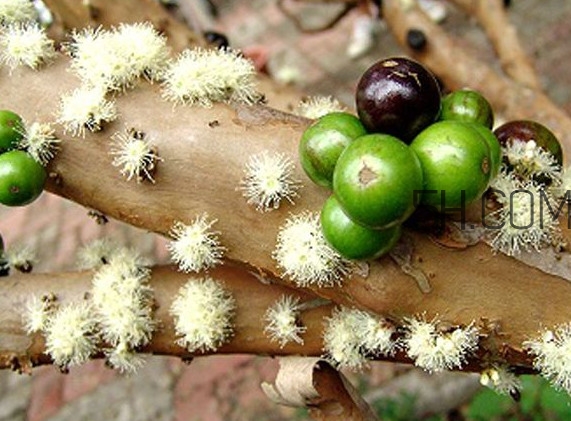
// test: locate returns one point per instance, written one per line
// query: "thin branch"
(491, 14)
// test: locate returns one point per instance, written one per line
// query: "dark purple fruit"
(397, 96)
(527, 130)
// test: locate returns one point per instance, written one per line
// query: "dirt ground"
(226, 388)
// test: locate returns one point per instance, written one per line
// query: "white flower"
(303, 254)
(85, 108)
(528, 160)
(203, 311)
(436, 351)
(17, 11)
(40, 141)
(317, 106)
(21, 257)
(552, 351)
(37, 312)
(282, 321)
(71, 336)
(124, 359)
(134, 154)
(526, 219)
(351, 335)
(200, 76)
(96, 253)
(123, 303)
(268, 180)
(502, 380)
(195, 247)
(25, 45)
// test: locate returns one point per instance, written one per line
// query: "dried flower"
(317, 106)
(71, 336)
(203, 311)
(303, 254)
(282, 321)
(202, 77)
(436, 351)
(552, 356)
(25, 45)
(85, 108)
(195, 247)
(40, 141)
(269, 179)
(134, 154)
(351, 335)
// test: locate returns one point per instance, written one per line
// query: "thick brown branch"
(503, 35)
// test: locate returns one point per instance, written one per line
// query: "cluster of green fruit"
(410, 146)
(22, 178)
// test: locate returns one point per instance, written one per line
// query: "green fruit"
(494, 146)
(455, 159)
(468, 106)
(11, 130)
(22, 179)
(375, 180)
(322, 143)
(351, 240)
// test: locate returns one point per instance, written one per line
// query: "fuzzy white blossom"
(114, 59)
(203, 311)
(40, 141)
(17, 11)
(37, 312)
(134, 155)
(528, 160)
(351, 336)
(269, 179)
(85, 109)
(196, 246)
(124, 359)
(552, 355)
(96, 253)
(436, 351)
(282, 321)
(317, 106)
(526, 220)
(71, 335)
(303, 254)
(25, 45)
(502, 380)
(201, 77)
(21, 257)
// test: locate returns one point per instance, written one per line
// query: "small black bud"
(216, 39)
(416, 39)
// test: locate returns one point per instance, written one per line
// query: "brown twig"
(503, 35)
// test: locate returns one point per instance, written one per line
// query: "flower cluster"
(282, 321)
(196, 246)
(528, 160)
(268, 180)
(203, 311)
(351, 336)
(25, 45)
(17, 12)
(436, 351)
(317, 106)
(202, 77)
(552, 356)
(134, 154)
(303, 254)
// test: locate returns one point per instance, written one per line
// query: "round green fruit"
(375, 180)
(22, 179)
(494, 146)
(468, 106)
(455, 161)
(11, 130)
(322, 143)
(351, 240)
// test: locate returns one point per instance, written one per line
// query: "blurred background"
(308, 49)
